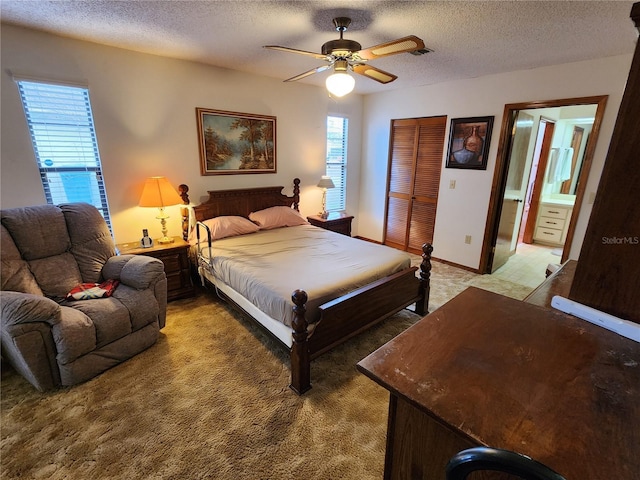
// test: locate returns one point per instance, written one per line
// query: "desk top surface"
(513, 375)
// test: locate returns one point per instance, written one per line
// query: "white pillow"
(274, 217)
(222, 227)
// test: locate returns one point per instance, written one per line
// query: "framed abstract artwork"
(233, 143)
(469, 142)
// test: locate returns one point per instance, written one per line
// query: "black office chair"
(497, 460)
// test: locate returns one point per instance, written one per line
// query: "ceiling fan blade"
(318, 56)
(310, 72)
(374, 73)
(401, 45)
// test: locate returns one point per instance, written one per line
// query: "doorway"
(509, 173)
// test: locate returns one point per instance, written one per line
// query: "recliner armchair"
(45, 252)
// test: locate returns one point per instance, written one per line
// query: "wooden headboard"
(243, 201)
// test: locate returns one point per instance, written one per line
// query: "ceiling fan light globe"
(340, 84)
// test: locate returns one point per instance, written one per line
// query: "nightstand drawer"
(172, 261)
(177, 280)
(343, 228)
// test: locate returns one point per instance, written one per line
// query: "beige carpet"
(210, 400)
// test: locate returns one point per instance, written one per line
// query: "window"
(64, 141)
(337, 128)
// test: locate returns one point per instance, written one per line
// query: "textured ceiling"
(468, 38)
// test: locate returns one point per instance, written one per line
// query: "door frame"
(502, 165)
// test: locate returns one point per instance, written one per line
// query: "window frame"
(68, 136)
(337, 197)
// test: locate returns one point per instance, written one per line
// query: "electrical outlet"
(452, 184)
(467, 239)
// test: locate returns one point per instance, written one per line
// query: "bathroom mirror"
(573, 126)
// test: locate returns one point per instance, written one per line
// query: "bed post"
(296, 193)
(300, 362)
(184, 211)
(422, 306)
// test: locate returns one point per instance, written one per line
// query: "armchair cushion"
(91, 242)
(56, 275)
(41, 236)
(38, 232)
(14, 271)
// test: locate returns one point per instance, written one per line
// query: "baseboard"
(367, 239)
(457, 265)
(436, 259)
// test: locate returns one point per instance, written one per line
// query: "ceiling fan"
(343, 55)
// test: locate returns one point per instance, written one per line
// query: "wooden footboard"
(351, 314)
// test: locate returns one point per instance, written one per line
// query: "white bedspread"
(267, 266)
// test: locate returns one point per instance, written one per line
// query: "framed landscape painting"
(233, 143)
(469, 142)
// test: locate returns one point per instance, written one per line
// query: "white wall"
(144, 112)
(463, 210)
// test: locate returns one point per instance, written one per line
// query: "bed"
(314, 304)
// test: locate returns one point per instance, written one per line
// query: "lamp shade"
(158, 192)
(340, 83)
(326, 182)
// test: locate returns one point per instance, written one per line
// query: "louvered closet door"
(400, 184)
(426, 182)
(414, 177)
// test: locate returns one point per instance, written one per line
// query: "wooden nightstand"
(175, 257)
(336, 222)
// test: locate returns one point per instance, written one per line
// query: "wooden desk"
(489, 370)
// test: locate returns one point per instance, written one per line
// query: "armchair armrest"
(136, 271)
(20, 308)
(27, 340)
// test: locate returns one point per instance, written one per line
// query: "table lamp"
(159, 193)
(324, 183)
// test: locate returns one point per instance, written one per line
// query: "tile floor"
(528, 265)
